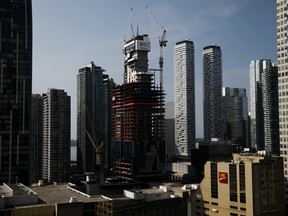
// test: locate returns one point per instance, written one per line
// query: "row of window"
(284, 146)
(285, 106)
(283, 132)
(282, 81)
(283, 120)
(281, 9)
(215, 210)
(282, 67)
(281, 3)
(283, 139)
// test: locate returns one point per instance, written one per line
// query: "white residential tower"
(184, 73)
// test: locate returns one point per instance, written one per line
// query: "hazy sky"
(68, 34)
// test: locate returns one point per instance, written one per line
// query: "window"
(242, 183)
(214, 180)
(233, 182)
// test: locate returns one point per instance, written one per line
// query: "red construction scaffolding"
(138, 125)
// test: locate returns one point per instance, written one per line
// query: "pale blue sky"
(67, 34)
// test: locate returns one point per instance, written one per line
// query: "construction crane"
(99, 149)
(162, 43)
(131, 33)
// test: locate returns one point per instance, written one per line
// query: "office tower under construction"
(138, 115)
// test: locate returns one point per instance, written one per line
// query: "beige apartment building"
(250, 184)
(282, 57)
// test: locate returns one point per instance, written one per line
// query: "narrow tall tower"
(271, 107)
(37, 137)
(264, 106)
(15, 90)
(212, 92)
(256, 109)
(56, 135)
(235, 115)
(282, 30)
(90, 115)
(184, 73)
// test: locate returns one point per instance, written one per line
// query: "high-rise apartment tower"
(212, 92)
(282, 44)
(15, 90)
(56, 135)
(264, 106)
(94, 120)
(184, 82)
(37, 137)
(271, 108)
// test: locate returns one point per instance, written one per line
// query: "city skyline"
(64, 42)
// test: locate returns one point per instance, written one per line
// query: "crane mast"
(162, 43)
(99, 148)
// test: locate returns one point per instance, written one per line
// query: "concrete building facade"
(184, 97)
(251, 184)
(282, 30)
(212, 92)
(56, 135)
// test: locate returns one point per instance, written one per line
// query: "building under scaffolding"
(138, 116)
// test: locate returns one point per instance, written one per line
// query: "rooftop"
(174, 188)
(62, 193)
(8, 190)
